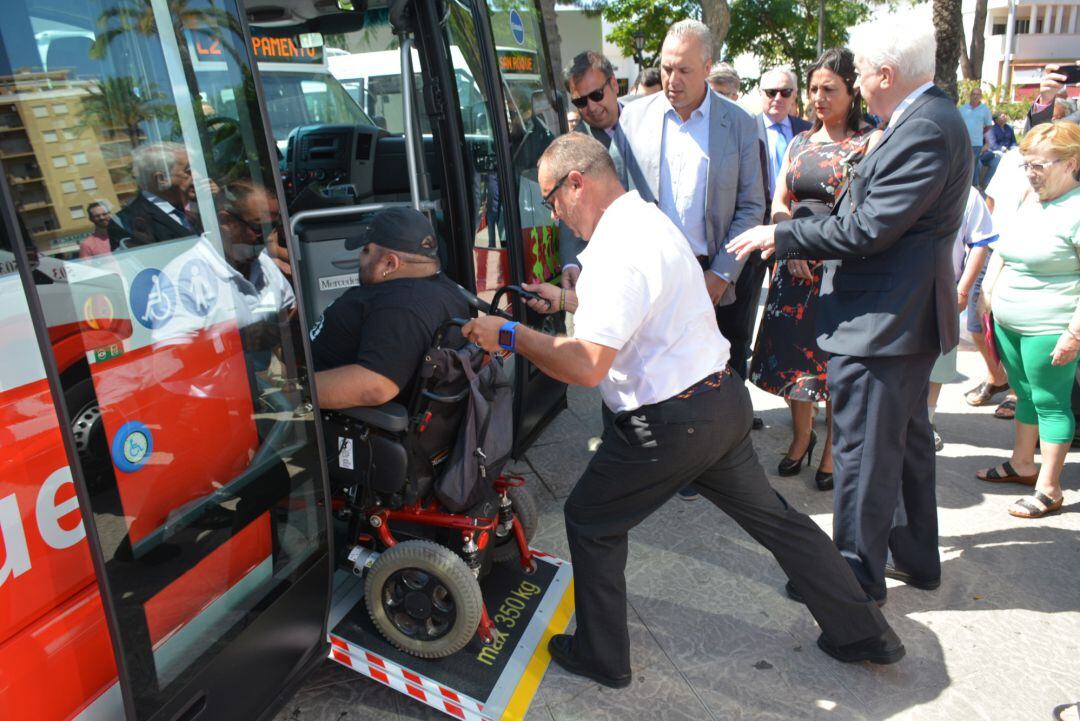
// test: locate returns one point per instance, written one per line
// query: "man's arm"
(569, 247)
(569, 360)
(353, 385)
(749, 203)
(901, 189)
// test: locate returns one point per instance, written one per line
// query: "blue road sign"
(517, 27)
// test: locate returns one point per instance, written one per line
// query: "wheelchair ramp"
(478, 683)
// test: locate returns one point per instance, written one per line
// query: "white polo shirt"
(642, 292)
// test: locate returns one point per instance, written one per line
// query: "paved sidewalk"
(715, 638)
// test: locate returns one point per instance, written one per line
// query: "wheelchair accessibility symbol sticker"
(132, 446)
(153, 298)
(198, 287)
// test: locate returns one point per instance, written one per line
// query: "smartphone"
(1071, 73)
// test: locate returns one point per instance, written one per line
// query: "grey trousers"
(649, 454)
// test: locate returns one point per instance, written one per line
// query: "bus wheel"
(424, 599)
(88, 430)
(523, 504)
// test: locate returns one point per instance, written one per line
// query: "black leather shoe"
(561, 649)
(792, 466)
(926, 584)
(884, 649)
(757, 424)
(797, 597)
(824, 480)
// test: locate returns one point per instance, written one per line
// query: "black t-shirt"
(386, 327)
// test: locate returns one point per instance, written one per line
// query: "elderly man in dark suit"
(163, 173)
(594, 91)
(888, 308)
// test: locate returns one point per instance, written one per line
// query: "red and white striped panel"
(405, 681)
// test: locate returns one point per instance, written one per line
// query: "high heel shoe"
(824, 480)
(792, 466)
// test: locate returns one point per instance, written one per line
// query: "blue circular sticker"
(198, 287)
(132, 446)
(153, 298)
(517, 27)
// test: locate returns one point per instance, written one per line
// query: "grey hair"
(580, 152)
(725, 74)
(586, 61)
(152, 158)
(785, 71)
(693, 28)
(904, 41)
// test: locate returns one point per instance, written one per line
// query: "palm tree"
(949, 32)
(119, 103)
(971, 60)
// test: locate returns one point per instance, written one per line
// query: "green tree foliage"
(653, 17)
(784, 32)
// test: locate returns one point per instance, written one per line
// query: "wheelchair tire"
(505, 550)
(423, 599)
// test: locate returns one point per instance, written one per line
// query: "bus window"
(134, 142)
(534, 123)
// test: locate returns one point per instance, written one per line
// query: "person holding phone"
(1055, 79)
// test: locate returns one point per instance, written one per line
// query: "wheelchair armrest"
(391, 417)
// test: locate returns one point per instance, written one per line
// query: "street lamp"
(639, 46)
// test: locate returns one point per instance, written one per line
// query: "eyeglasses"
(546, 202)
(784, 92)
(596, 96)
(1038, 167)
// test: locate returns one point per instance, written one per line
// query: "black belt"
(708, 383)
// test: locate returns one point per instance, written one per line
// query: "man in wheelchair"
(390, 376)
(368, 344)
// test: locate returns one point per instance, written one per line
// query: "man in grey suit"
(696, 155)
(888, 308)
(594, 91)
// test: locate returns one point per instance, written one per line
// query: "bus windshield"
(293, 98)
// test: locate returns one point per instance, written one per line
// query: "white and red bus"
(166, 545)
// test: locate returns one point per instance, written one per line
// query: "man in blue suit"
(888, 307)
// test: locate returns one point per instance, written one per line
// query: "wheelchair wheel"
(423, 599)
(524, 505)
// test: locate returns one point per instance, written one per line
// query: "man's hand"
(569, 278)
(715, 285)
(1051, 84)
(484, 331)
(761, 237)
(962, 299)
(550, 294)
(277, 251)
(800, 269)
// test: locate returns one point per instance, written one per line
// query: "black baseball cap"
(402, 229)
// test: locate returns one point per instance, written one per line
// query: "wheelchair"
(422, 562)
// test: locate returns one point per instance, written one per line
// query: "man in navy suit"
(888, 307)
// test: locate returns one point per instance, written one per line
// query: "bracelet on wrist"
(562, 300)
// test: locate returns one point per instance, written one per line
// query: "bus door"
(172, 346)
(500, 97)
(443, 137)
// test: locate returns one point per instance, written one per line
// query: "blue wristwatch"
(508, 334)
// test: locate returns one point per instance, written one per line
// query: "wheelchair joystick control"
(362, 559)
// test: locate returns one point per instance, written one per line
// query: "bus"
(166, 538)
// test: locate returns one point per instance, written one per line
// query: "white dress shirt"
(684, 173)
(906, 102)
(641, 292)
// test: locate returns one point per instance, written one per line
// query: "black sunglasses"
(546, 202)
(596, 96)
(784, 92)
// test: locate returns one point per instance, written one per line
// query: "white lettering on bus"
(48, 514)
(16, 555)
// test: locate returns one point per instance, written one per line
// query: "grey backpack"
(485, 435)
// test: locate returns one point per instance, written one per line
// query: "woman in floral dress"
(787, 361)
